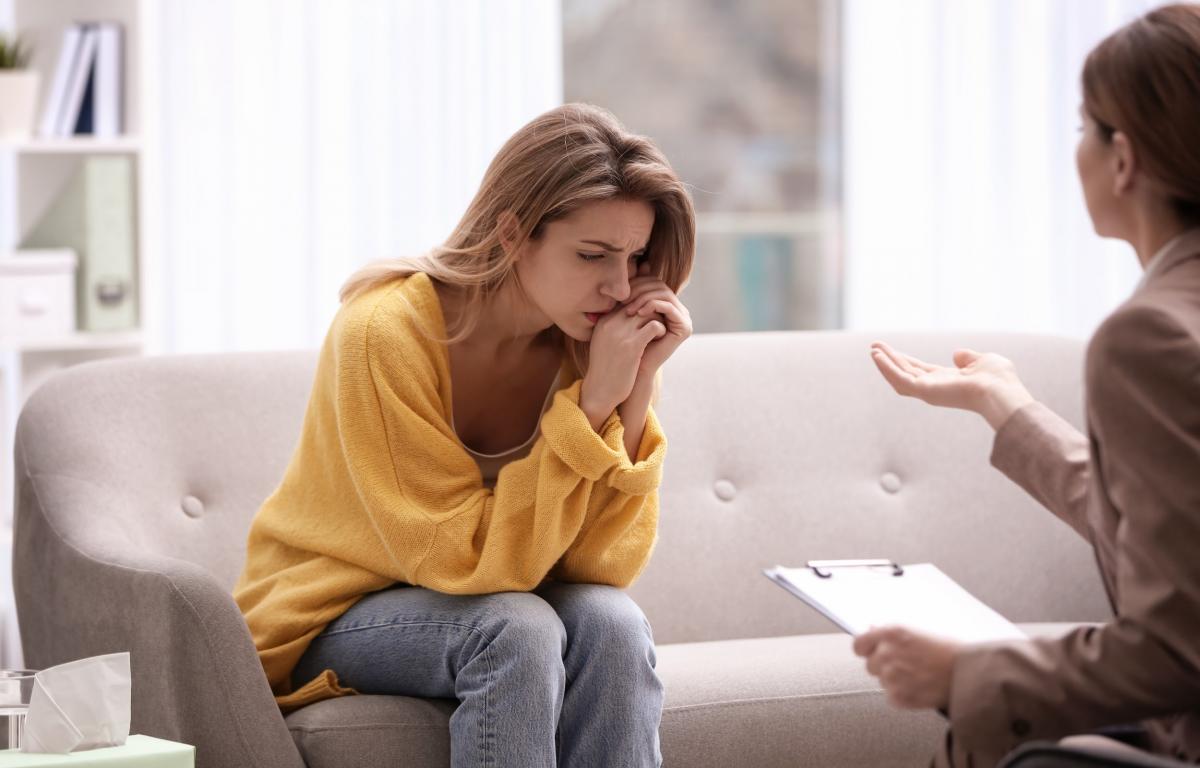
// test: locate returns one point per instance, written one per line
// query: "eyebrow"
(606, 246)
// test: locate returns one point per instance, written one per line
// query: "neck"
(507, 323)
(1154, 227)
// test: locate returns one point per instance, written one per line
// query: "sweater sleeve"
(422, 492)
(621, 525)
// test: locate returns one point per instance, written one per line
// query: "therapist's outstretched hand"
(915, 670)
(984, 383)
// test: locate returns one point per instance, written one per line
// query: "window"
(744, 99)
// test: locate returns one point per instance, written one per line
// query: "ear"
(508, 229)
(1124, 164)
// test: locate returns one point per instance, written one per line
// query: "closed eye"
(590, 256)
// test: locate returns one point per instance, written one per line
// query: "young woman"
(1131, 486)
(477, 473)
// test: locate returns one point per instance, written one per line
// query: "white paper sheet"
(923, 599)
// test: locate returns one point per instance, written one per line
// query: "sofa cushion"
(784, 701)
(787, 701)
(369, 731)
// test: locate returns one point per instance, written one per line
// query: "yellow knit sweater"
(381, 491)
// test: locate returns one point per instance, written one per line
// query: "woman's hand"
(984, 383)
(651, 298)
(915, 670)
(615, 356)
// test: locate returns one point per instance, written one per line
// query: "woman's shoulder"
(403, 312)
(1153, 332)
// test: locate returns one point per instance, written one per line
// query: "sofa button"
(1020, 728)
(192, 507)
(725, 490)
(890, 482)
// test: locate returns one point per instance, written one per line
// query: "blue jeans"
(572, 661)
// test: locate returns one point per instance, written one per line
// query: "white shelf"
(34, 171)
(92, 341)
(77, 145)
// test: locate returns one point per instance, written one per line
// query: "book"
(67, 53)
(94, 215)
(81, 72)
(108, 76)
(859, 595)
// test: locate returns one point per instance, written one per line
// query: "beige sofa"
(137, 480)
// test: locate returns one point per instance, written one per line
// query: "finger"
(874, 665)
(664, 304)
(920, 364)
(901, 380)
(864, 644)
(964, 357)
(900, 359)
(677, 322)
(641, 294)
(651, 331)
(642, 289)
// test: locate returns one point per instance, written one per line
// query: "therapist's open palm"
(984, 383)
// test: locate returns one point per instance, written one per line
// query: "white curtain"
(291, 142)
(962, 206)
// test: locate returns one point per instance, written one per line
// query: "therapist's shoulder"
(1152, 337)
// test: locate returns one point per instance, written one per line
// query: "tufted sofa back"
(788, 447)
(783, 447)
(178, 451)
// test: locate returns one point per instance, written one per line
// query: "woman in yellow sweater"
(477, 473)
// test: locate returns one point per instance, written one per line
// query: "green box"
(137, 752)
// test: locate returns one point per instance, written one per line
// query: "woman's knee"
(523, 624)
(604, 616)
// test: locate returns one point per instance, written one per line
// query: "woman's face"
(580, 267)
(1096, 163)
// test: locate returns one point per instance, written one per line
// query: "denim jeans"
(560, 676)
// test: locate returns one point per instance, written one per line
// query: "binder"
(94, 216)
(857, 595)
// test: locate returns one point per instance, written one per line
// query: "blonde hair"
(570, 156)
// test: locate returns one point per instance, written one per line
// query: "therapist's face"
(1105, 164)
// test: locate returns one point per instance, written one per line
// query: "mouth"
(594, 317)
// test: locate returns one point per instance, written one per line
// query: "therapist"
(1131, 485)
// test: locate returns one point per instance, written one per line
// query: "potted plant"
(18, 90)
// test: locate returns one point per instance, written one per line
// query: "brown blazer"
(1131, 487)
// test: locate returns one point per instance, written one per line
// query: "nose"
(616, 283)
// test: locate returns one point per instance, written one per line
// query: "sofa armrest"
(196, 676)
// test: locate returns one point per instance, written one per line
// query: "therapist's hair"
(1144, 81)
(561, 160)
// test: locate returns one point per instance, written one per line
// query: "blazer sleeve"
(621, 526)
(1143, 380)
(1041, 452)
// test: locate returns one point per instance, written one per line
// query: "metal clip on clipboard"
(818, 565)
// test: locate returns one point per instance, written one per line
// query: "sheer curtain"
(962, 207)
(294, 141)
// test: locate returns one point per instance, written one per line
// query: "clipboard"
(857, 595)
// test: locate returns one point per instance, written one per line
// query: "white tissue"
(80, 705)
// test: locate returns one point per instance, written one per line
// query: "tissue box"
(137, 752)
